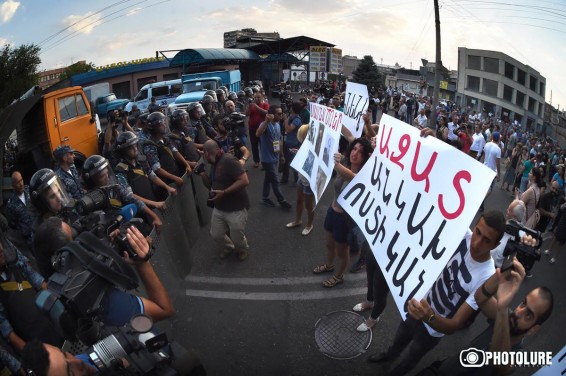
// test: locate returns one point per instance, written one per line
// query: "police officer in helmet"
(97, 174)
(133, 169)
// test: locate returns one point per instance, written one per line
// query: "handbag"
(532, 221)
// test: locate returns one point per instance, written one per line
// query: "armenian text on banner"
(414, 200)
(356, 103)
(315, 158)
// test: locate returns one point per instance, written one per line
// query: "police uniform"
(19, 284)
(136, 177)
(196, 131)
(185, 144)
(71, 181)
(159, 154)
(21, 216)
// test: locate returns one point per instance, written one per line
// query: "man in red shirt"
(256, 112)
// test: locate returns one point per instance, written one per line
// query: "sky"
(392, 31)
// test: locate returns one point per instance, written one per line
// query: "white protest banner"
(414, 200)
(356, 104)
(315, 158)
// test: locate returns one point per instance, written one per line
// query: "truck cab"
(108, 103)
(44, 120)
(196, 84)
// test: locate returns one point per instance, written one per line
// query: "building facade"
(51, 76)
(496, 83)
(231, 37)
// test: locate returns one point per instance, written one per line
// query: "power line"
(81, 20)
(422, 34)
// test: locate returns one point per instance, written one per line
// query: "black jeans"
(254, 140)
(377, 285)
(412, 336)
(287, 165)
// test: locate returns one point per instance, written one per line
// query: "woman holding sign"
(336, 221)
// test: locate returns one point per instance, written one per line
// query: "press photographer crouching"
(86, 301)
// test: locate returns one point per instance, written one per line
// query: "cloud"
(134, 11)
(82, 24)
(4, 41)
(8, 9)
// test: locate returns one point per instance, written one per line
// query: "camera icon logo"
(472, 357)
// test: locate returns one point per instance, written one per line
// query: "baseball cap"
(61, 151)
(496, 136)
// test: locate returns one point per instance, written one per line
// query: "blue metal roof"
(205, 55)
(120, 70)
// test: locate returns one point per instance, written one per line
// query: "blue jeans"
(271, 178)
(524, 183)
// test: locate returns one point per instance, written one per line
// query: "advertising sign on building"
(317, 58)
(335, 60)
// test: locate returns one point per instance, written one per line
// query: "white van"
(165, 92)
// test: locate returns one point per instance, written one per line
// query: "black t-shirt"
(547, 201)
(224, 173)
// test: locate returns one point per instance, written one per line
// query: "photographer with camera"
(515, 211)
(134, 171)
(227, 182)
(97, 174)
(227, 139)
(117, 307)
(507, 329)
(161, 155)
(237, 121)
(451, 300)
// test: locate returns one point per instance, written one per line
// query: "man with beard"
(506, 330)
(548, 201)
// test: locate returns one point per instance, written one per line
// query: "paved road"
(257, 317)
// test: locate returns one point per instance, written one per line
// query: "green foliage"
(18, 71)
(366, 73)
(80, 67)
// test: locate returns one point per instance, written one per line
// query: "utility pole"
(438, 65)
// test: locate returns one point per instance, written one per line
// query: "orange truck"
(44, 120)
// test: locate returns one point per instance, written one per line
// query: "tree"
(18, 71)
(366, 73)
(79, 67)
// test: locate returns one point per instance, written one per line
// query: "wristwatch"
(431, 317)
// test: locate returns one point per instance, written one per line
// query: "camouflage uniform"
(21, 216)
(71, 181)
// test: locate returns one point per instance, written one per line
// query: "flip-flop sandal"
(323, 269)
(332, 281)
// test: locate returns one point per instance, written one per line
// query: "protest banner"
(356, 104)
(414, 200)
(315, 158)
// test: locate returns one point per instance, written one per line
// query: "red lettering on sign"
(404, 143)
(424, 175)
(460, 175)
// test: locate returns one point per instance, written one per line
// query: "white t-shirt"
(497, 252)
(451, 128)
(421, 120)
(492, 153)
(477, 143)
(458, 283)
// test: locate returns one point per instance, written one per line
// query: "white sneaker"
(367, 325)
(546, 252)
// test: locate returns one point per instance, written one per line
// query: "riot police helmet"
(155, 119)
(207, 99)
(125, 140)
(248, 90)
(212, 93)
(232, 96)
(178, 117)
(97, 172)
(47, 192)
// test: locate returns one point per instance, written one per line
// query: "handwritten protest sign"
(356, 104)
(414, 200)
(315, 158)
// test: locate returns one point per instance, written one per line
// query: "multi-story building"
(493, 82)
(349, 65)
(51, 76)
(231, 37)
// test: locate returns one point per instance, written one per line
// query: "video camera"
(526, 254)
(234, 121)
(135, 349)
(99, 216)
